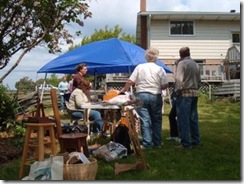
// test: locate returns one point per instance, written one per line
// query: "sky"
(109, 13)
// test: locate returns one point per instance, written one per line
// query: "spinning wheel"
(141, 161)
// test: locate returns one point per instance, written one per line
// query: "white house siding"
(211, 40)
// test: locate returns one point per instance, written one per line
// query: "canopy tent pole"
(95, 85)
(131, 88)
(43, 85)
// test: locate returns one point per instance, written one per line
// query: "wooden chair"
(68, 142)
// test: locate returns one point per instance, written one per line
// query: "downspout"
(148, 30)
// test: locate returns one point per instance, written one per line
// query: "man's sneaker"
(145, 148)
(176, 139)
(181, 147)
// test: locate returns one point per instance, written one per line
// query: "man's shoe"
(144, 147)
(176, 139)
(169, 138)
(181, 147)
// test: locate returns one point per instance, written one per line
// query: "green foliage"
(54, 80)
(203, 98)
(217, 158)
(8, 105)
(106, 33)
(19, 131)
(26, 24)
(25, 85)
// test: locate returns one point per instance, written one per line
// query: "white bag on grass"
(49, 169)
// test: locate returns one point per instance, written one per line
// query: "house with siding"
(209, 35)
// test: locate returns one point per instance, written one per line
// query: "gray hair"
(151, 54)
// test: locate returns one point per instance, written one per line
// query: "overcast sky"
(110, 13)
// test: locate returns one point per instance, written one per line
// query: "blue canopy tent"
(101, 57)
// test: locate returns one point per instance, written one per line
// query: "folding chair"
(85, 113)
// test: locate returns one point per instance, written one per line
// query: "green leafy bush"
(8, 105)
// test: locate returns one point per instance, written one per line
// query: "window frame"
(232, 39)
(182, 21)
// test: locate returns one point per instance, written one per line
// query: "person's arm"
(179, 77)
(80, 98)
(128, 84)
(164, 80)
(164, 86)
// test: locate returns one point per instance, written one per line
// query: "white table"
(110, 119)
(99, 105)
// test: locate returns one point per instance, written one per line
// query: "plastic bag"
(49, 169)
(110, 151)
(119, 99)
(67, 129)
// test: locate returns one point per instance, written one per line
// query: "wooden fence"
(28, 102)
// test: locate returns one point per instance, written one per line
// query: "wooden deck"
(229, 88)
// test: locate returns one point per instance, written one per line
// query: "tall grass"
(216, 158)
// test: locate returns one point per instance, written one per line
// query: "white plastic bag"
(119, 99)
(49, 169)
(110, 151)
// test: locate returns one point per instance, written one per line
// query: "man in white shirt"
(150, 80)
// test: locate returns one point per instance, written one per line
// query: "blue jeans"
(94, 116)
(62, 102)
(173, 121)
(187, 118)
(151, 119)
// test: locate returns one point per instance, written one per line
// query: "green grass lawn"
(217, 158)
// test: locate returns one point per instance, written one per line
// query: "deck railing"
(209, 73)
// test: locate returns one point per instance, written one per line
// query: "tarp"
(101, 57)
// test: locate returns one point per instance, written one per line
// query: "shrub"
(8, 105)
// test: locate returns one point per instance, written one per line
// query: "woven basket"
(81, 171)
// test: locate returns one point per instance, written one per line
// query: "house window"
(181, 28)
(235, 37)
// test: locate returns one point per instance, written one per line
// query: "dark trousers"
(173, 122)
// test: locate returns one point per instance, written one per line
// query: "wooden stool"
(109, 120)
(37, 142)
(74, 142)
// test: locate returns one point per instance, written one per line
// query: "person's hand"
(121, 93)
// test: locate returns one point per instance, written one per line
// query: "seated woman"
(77, 98)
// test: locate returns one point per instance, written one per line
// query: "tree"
(106, 33)
(53, 80)
(25, 24)
(25, 84)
